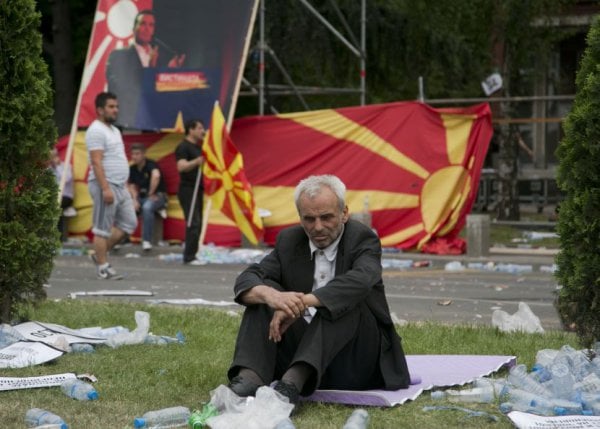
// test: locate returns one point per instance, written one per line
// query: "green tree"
(28, 191)
(579, 178)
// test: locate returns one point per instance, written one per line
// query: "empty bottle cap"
(139, 422)
(93, 395)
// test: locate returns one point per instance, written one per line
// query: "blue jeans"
(148, 208)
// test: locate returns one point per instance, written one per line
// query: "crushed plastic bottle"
(359, 419)
(80, 390)
(171, 257)
(35, 417)
(454, 266)
(562, 380)
(519, 377)
(82, 348)
(167, 417)
(198, 418)
(9, 335)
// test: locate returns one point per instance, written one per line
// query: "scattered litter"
(420, 264)
(470, 413)
(454, 266)
(165, 418)
(37, 418)
(514, 268)
(548, 268)
(445, 302)
(534, 235)
(69, 251)
(399, 264)
(171, 257)
(132, 255)
(233, 313)
(192, 301)
(398, 321)
(74, 295)
(523, 320)
(266, 410)
(137, 336)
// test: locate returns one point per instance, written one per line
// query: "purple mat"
(427, 371)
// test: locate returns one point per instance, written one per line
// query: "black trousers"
(192, 232)
(343, 353)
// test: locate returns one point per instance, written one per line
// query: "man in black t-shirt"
(148, 190)
(189, 162)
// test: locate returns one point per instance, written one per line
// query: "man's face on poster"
(144, 29)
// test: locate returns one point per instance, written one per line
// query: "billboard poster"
(166, 60)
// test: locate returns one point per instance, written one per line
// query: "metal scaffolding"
(290, 87)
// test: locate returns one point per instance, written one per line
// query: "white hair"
(312, 185)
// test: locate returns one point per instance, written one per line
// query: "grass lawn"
(140, 378)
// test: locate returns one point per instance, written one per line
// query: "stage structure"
(291, 88)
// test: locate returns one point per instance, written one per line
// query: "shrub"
(28, 191)
(578, 177)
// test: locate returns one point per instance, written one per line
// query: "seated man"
(316, 314)
(148, 190)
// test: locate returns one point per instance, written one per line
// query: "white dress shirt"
(324, 268)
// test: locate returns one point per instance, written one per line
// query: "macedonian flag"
(225, 181)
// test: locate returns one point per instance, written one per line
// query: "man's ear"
(345, 215)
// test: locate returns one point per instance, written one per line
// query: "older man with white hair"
(316, 314)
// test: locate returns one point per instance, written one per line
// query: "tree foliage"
(28, 191)
(579, 178)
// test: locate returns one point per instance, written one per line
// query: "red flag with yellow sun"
(225, 181)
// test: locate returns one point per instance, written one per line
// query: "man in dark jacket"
(316, 314)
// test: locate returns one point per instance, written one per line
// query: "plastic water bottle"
(82, 348)
(477, 394)
(522, 400)
(590, 384)
(562, 381)
(497, 385)
(80, 390)
(163, 418)
(519, 377)
(198, 418)
(545, 357)
(285, 424)
(9, 335)
(540, 373)
(359, 419)
(38, 417)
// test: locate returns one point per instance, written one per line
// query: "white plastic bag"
(137, 336)
(523, 320)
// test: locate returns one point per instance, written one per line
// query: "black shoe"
(242, 387)
(288, 390)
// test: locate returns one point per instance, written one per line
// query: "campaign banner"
(166, 60)
(49, 333)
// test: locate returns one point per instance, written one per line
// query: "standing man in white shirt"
(114, 215)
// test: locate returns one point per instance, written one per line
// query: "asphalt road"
(414, 294)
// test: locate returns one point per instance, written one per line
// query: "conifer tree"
(578, 261)
(28, 191)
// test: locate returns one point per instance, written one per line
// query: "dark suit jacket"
(124, 73)
(289, 267)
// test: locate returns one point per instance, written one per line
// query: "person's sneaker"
(288, 390)
(108, 273)
(242, 387)
(146, 245)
